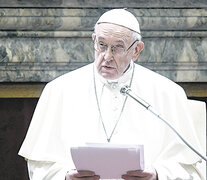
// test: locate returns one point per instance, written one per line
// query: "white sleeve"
(175, 170)
(41, 170)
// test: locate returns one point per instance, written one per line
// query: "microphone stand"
(127, 91)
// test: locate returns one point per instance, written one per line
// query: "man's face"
(112, 65)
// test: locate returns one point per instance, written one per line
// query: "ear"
(138, 49)
(93, 36)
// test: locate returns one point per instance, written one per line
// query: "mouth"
(108, 72)
(108, 67)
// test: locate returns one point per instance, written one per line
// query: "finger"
(96, 177)
(83, 173)
(135, 173)
(127, 177)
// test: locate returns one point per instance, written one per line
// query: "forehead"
(113, 32)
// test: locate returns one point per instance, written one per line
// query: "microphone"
(126, 90)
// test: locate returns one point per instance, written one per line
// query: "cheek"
(98, 59)
(123, 64)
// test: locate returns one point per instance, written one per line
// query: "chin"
(109, 77)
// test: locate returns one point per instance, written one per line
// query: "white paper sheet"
(110, 161)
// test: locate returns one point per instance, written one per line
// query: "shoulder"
(153, 79)
(76, 79)
(75, 76)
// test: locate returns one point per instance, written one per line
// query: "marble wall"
(40, 40)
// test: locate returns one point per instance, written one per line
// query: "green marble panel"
(81, 50)
(91, 12)
(46, 50)
(43, 59)
(85, 19)
(104, 3)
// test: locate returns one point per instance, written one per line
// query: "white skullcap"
(120, 17)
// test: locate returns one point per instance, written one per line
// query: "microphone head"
(124, 90)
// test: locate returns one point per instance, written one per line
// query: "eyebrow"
(118, 41)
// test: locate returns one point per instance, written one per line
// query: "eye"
(118, 49)
(119, 46)
(102, 45)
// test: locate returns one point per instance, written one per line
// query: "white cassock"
(74, 107)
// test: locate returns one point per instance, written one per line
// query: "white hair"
(136, 35)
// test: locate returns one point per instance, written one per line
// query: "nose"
(108, 56)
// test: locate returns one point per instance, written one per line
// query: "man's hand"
(81, 175)
(147, 174)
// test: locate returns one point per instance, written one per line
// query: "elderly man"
(86, 106)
